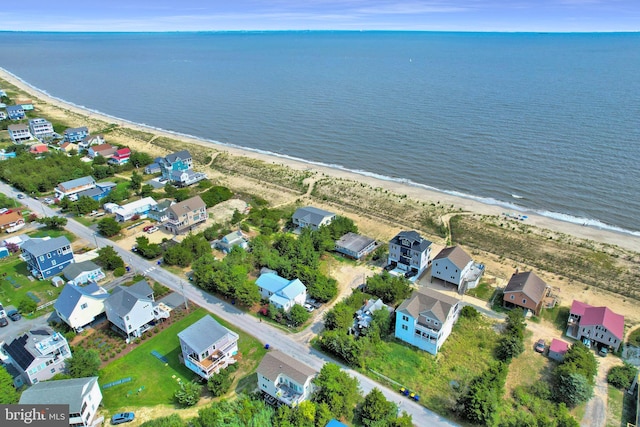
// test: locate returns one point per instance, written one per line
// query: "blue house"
(176, 162)
(47, 257)
(280, 292)
(99, 192)
(76, 134)
(15, 112)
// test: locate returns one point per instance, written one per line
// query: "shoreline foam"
(586, 228)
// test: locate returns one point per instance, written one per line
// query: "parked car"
(540, 346)
(123, 417)
(20, 196)
(152, 229)
(3, 322)
(14, 315)
(309, 307)
(48, 200)
(603, 351)
(586, 341)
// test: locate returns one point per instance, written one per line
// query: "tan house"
(68, 146)
(185, 215)
(104, 150)
(11, 221)
(526, 291)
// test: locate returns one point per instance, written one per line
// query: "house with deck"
(26, 104)
(103, 150)
(185, 215)
(89, 141)
(133, 310)
(38, 354)
(426, 319)
(120, 157)
(285, 380)
(47, 257)
(160, 212)
(312, 217)
(454, 266)
(83, 396)
(280, 292)
(11, 221)
(526, 291)
(596, 326)
(19, 133)
(99, 192)
(76, 134)
(74, 186)
(409, 253)
(41, 128)
(83, 272)
(231, 240)
(138, 207)
(207, 347)
(355, 246)
(15, 112)
(77, 306)
(179, 161)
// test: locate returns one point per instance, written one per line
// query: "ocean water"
(534, 122)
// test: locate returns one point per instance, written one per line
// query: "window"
(53, 262)
(512, 296)
(405, 328)
(49, 256)
(405, 318)
(83, 306)
(53, 370)
(524, 300)
(41, 257)
(127, 317)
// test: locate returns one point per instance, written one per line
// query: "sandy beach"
(586, 232)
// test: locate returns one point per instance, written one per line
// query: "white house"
(41, 128)
(75, 186)
(285, 379)
(282, 293)
(132, 309)
(426, 319)
(453, 265)
(78, 306)
(83, 396)
(207, 347)
(235, 238)
(83, 272)
(312, 217)
(138, 207)
(19, 133)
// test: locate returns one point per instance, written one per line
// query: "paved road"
(261, 330)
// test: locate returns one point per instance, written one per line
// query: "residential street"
(261, 330)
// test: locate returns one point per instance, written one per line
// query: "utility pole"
(186, 305)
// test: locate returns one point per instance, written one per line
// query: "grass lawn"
(86, 220)
(614, 407)
(44, 232)
(160, 380)
(15, 285)
(557, 315)
(466, 353)
(484, 291)
(527, 368)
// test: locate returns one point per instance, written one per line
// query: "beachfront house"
(207, 347)
(595, 326)
(355, 246)
(89, 141)
(38, 354)
(138, 207)
(312, 217)
(15, 112)
(99, 192)
(26, 104)
(186, 215)
(11, 221)
(409, 253)
(76, 134)
(77, 306)
(160, 212)
(453, 265)
(525, 291)
(83, 272)
(41, 128)
(186, 178)
(285, 379)
(120, 157)
(73, 187)
(19, 133)
(47, 257)
(426, 319)
(228, 242)
(103, 150)
(180, 161)
(280, 292)
(133, 309)
(82, 395)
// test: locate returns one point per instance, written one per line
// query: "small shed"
(4, 252)
(558, 349)
(57, 281)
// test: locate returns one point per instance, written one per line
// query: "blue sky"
(222, 15)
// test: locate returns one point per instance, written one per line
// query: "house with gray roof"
(74, 186)
(19, 133)
(76, 134)
(526, 291)
(312, 217)
(82, 272)
(160, 211)
(47, 257)
(38, 354)
(185, 215)
(355, 246)
(99, 192)
(207, 347)
(426, 319)
(285, 379)
(409, 253)
(235, 238)
(77, 306)
(133, 309)
(83, 396)
(453, 265)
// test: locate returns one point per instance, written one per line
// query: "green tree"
(172, 420)
(86, 204)
(297, 315)
(99, 160)
(622, 376)
(247, 293)
(189, 393)
(510, 346)
(220, 383)
(27, 305)
(178, 255)
(481, 402)
(236, 217)
(139, 159)
(340, 317)
(390, 289)
(572, 388)
(136, 181)
(215, 195)
(146, 190)
(337, 389)
(83, 363)
(108, 227)
(376, 408)
(53, 222)
(109, 258)
(469, 312)
(8, 393)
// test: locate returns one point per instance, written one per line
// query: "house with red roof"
(558, 349)
(595, 325)
(38, 149)
(120, 157)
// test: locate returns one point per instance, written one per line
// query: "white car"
(309, 307)
(152, 229)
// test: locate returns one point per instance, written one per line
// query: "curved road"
(261, 330)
